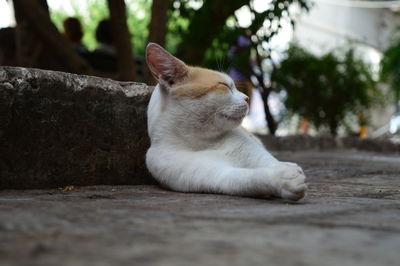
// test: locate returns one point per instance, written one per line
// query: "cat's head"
(207, 96)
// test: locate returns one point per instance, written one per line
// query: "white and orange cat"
(197, 144)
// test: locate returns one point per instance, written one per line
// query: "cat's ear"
(166, 68)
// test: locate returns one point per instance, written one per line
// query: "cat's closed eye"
(224, 84)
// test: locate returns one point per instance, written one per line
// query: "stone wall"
(59, 129)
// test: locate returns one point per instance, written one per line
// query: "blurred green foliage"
(325, 89)
(177, 25)
(390, 69)
(205, 33)
(189, 23)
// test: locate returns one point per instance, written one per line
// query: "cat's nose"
(247, 99)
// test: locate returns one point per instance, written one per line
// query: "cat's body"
(197, 144)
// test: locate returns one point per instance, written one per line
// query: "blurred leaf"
(390, 67)
(325, 88)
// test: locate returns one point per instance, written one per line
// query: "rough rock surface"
(351, 217)
(63, 129)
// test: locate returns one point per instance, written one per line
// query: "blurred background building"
(367, 25)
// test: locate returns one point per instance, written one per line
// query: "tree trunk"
(29, 44)
(265, 91)
(39, 44)
(333, 125)
(158, 23)
(125, 58)
(207, 22)
(272, 125)
(157, 30)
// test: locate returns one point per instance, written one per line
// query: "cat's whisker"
(216, 60)
(223, 62)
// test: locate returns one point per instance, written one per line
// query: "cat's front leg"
(287, 179)
(188, 171)
(283, 180)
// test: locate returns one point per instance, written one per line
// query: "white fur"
(196, 146)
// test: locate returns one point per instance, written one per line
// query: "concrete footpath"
(350, 217)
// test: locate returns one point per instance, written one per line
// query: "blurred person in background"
(105, 38)
(73, 33)
(104, 57)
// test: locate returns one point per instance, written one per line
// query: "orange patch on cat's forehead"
(201, 81)
(205, 75)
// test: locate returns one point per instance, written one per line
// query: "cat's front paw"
(292, 182)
